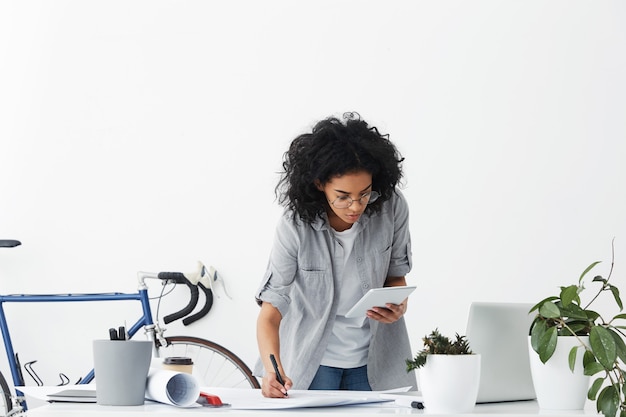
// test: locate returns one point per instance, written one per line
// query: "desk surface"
(513, 409)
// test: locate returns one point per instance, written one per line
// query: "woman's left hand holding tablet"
(388, 314)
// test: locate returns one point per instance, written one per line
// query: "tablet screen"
(378, 297)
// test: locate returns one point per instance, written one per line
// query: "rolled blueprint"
(170, 387)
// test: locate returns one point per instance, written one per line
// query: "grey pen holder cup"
(121, 369)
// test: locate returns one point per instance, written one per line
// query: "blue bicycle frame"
(145, 321)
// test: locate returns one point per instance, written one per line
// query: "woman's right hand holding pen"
(271, 388)
(275, 384)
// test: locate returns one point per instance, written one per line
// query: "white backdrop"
(147, 135)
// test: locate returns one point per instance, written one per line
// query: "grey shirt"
(301, 283)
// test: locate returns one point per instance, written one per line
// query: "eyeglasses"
(345, 201)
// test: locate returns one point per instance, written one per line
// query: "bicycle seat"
(7, 243)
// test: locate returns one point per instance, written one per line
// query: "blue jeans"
(329, 378)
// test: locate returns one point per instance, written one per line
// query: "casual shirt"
(349, 341)
(301, 282)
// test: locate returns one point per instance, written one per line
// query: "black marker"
(417, 404)
(275, 365)
(113, 334)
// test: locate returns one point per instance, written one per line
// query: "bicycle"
(214, 365)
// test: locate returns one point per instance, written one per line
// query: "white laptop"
(499, 332)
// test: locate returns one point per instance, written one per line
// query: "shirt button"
(366, 286)
(359, 259)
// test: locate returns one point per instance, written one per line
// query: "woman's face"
(340, 190)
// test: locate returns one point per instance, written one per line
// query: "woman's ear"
(319, 185)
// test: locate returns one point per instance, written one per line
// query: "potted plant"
(565, 318)
(449, 373)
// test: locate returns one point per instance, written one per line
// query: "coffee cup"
(178, 364)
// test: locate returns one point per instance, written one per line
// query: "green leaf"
(549, 310)
(569, 294)
(595, 387)
(608, 401)
(603, 346)
(588, 358)
(589, 268)
(571, 359)
(599, 278)
(620, 316)
(577, 328)
(593, 368)
(618, 300)
(573, 311)
(540, 303)
(620, 346)
(547, 344)
(537, 330)
(592, 315)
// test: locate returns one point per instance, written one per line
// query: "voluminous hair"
(335, 148)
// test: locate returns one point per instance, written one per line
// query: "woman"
(345, 230)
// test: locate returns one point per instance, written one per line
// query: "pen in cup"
(119, 334)
(279, 377)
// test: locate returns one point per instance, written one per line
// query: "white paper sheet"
(248, 399)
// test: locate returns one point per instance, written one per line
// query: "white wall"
(146, 135)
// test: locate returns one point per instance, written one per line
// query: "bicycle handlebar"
(9, 243)
(204, 310)
(192, 281)
(179, 278)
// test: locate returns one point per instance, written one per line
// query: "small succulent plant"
(437, 344)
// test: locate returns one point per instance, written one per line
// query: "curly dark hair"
(335, 148)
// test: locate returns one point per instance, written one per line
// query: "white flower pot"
(557, 388)
(449, 383)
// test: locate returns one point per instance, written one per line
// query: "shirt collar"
(321, 222)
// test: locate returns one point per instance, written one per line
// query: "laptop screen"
(499, 332)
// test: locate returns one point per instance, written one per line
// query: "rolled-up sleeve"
(401, 258)
(281, 269)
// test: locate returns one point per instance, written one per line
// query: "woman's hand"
(391, 312)
(268, 324)
(388, 314)
(271, 388)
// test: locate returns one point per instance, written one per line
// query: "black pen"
(417, 404)
(275, 365)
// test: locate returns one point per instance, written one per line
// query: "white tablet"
(378, 297)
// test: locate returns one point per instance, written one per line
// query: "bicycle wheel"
(6, 402)
(214, 365)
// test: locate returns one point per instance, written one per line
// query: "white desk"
(513, 409)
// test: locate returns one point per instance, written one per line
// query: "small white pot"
(557, 388)
(449, 383)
